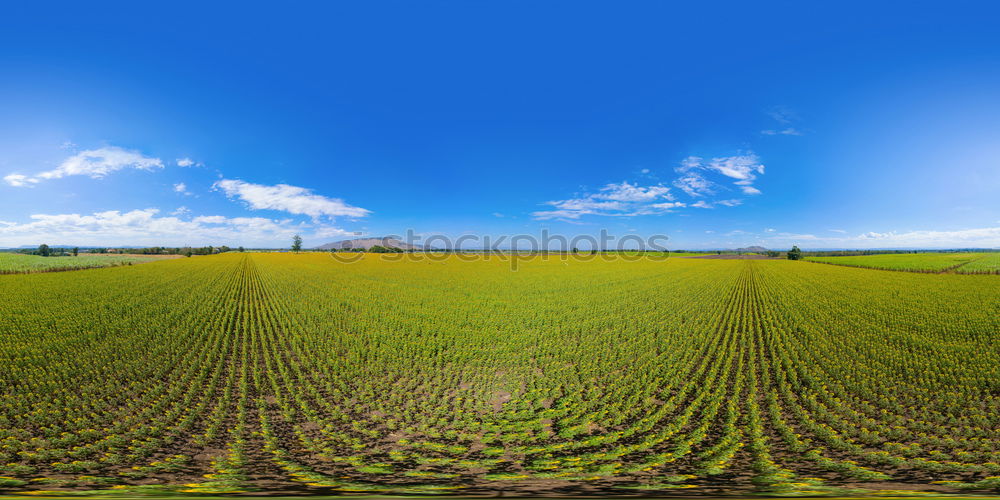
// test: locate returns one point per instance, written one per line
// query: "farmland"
(14, 263)
(238, 373)
(963, 263)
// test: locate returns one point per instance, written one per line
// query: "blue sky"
(728, 124)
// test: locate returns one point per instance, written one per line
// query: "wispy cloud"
(621, 200)
(744, 168)
(94, 163)
(188, 162)
(19, 180)
(785, 118)
(694, 184)
(628, 199)
(631, 193)
(783, 114)
(291, 199)
(786, 131)
(181, 188)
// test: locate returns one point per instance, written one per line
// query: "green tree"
(43, 250)
(795, 253)
(297, 243)
(241, 249)
(76, 251)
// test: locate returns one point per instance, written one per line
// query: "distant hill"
(367, 243)
(751, 249)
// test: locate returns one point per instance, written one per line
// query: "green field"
(988, 263)
(297, 373)
(971, 262)
(15, 263)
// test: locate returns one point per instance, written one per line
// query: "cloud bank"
(146, 227)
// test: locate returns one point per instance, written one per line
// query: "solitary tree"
(241, 249)
(76, 251)
(795, 253)
(296, 243)
(43, 250)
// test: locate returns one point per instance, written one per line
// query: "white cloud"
(18, 180)
(291, 199)
(146, 227)
(689, 163)
(632, 193)
(187, 162)
(181, 188)
(769, 230)
(743, 167)
(627, 200)
(841, 231)
(94, 163)
(667, 206)
(785, 131)
(620, 200)
(498, 214)
(210, 219)
(964, 238)
(694, 184)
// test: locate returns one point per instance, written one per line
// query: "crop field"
(296, 373)
(989, 263)
(14, 263)
(934, 262)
